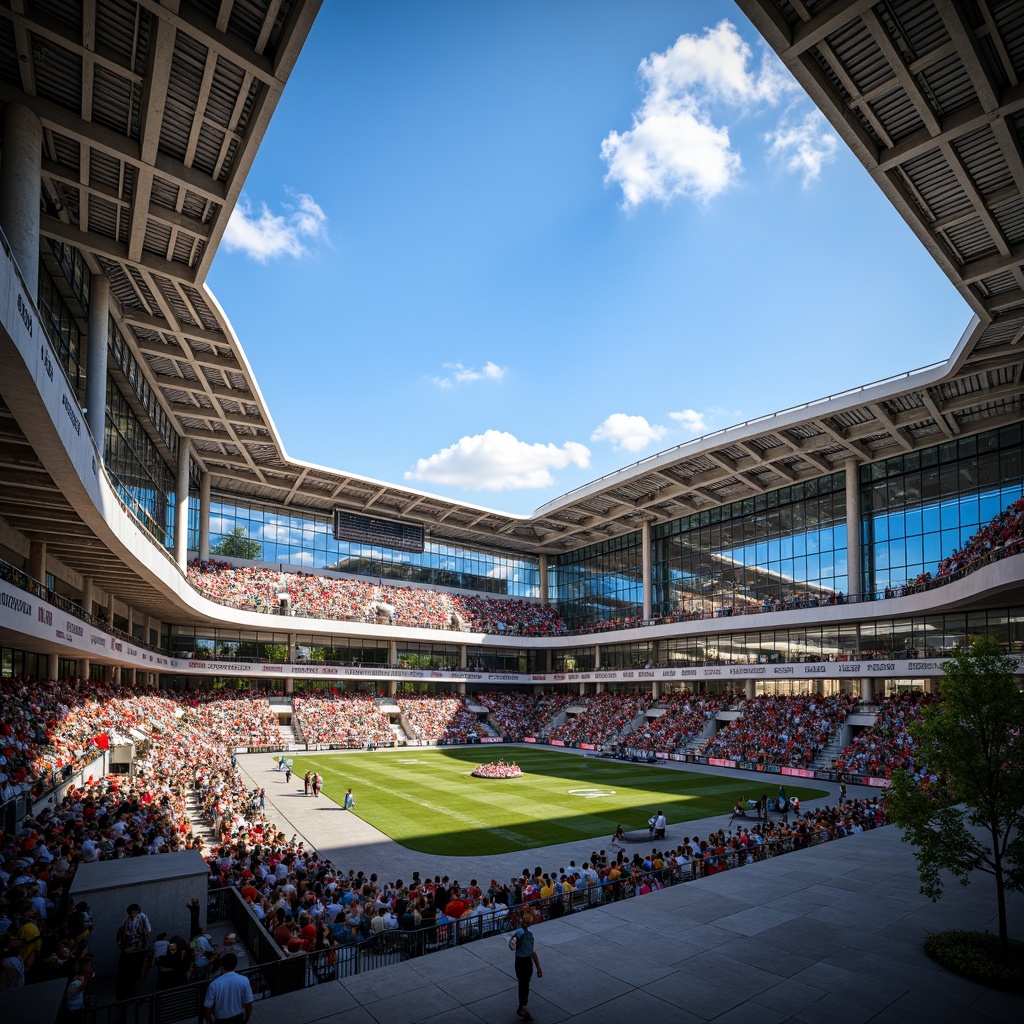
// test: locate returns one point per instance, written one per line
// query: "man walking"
(229, 997)
(526, 960)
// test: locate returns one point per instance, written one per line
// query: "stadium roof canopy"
(153, 113)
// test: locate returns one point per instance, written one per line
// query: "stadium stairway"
(287, 734)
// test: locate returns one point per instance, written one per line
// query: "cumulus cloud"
(690, 420)
(459, 374)
(804, 146)
(264, 235)
(627, 433)
(679, 144)
(498, 461)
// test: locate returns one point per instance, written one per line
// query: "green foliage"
(978, 956)
(237, 544)
(427, 799)
(972, 740)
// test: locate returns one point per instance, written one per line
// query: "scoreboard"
(382, 533)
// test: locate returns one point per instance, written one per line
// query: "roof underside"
(152, 117)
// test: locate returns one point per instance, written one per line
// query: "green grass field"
(426, 798)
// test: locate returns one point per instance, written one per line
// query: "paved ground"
(832, 934)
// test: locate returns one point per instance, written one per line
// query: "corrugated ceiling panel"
(898, 115)
(916, 27)
(971, 239)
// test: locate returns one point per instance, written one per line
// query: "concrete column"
(289, 686)
(20, 166)
(819, 686)
(87, 597)
(204, 517)
(51, 666)
(392, 687)
(96, 367)
(460, 688)
(867, 691)
(291, 648)
(83, 668)
(645, 545)
(547, 660)
(656, 689)
(131, 620)
(542, 571)
(151, 624)
(748, 687)
(110, 610)
(37, 561)
(583, 689)
(600, 688)
(854, 583)
(181, 503)
(392, 652)
(597, 658)
(115, 674)
(463, 656)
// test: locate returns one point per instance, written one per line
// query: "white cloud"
(690, 420)
(467, 374)
(675, 147)
(627, 433)
(264, 235)
(498, 461)
(803, 146)
(300, 558)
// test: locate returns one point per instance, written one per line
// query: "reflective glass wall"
(599, 583)
(773, 550)
(918, 508)
(262, 533)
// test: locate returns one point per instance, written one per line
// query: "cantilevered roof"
(153, 113)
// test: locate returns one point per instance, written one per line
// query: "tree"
(237, 545)
(972, 741)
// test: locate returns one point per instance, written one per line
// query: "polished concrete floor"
(832, 934)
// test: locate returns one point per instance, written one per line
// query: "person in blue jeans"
(526, 960)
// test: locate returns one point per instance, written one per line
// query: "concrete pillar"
(854, 582)
(51, 666)
(87, 596)
(600, 687)
(463, 656)
(37, 561)
(748, 687)
(181, 503)
(392, 652)
(291, 649)
(547, 660)
(289, 686)
(20, 165)
(96, 367)
(392, 687)
(656, 689)
(204, 516)
(460, 688)
(110, 610)
(83, 668)
(115, 674)
(130, 616)
(597, 658)
(583, 689)
(819, 686)
(867, 691)
(542, 572)
(645, 545)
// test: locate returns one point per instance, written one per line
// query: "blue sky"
(494, 251)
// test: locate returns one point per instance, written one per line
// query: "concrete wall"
(161, 885)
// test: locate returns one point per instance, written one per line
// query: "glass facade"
(918, 508)
(144, 482)
(765, 552)
(599, 583)
(63, 331)
(306, 540)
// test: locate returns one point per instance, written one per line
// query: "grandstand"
(661, 611)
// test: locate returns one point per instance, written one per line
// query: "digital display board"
(383, 533)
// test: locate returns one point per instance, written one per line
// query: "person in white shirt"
(229, 997)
